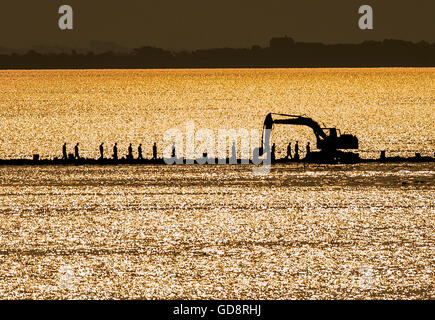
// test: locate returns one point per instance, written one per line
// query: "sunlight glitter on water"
(216, 232)
(386, 108)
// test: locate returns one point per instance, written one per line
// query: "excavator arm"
(325, 142)
(293, 120)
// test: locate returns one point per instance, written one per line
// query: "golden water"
(388, 109)
(360, 231)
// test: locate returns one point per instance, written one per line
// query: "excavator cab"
(335, 140)
(328, 141)
(347, 141)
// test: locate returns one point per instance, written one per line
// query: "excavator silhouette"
(329, 140)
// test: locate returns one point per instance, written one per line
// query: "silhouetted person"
(173, 150)
(64, 154)
(101, 150)
(130, 152)
(273, 152)
(76, 151)
(115, 151)
(289, 150)
(308, 150)
(155, 151)
(139, 151)
(297, 150)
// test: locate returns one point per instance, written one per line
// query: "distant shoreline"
(218, 68)
(281, 53)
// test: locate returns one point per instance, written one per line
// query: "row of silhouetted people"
(289, 151)
(115, 151)
(139, 151)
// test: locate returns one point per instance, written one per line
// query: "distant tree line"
(281, 52)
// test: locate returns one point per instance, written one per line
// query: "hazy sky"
(190, 24)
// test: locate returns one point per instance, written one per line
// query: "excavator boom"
(325, 142)
(295, 120)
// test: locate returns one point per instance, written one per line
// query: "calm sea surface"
(314, 231)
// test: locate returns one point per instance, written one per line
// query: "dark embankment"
(83, 161)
